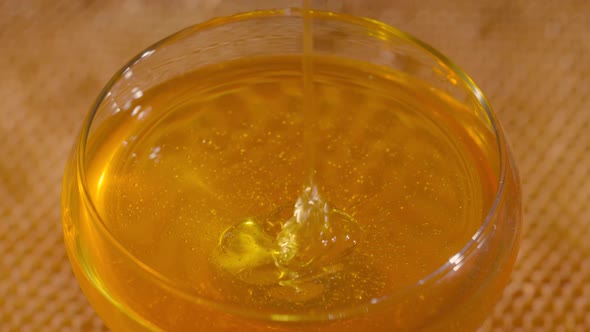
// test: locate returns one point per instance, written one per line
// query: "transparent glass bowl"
(460, 293)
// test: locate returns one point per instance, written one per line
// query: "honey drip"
(311, 244)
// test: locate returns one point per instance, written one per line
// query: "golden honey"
(406, 172)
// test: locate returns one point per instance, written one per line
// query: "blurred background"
(531, 58)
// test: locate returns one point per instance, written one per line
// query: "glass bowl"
(131, 294)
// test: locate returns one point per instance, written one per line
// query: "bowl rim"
(449, 266)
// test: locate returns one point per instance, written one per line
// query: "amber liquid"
(224, 146)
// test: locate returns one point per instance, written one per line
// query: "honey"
(202, 177)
